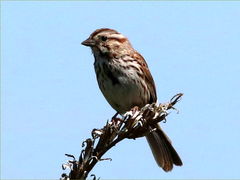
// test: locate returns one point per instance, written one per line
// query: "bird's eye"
(103, 38)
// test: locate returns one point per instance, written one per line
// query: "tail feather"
(162, 149)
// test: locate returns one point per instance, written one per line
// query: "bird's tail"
(162, 149)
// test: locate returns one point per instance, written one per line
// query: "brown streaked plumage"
(125, 80)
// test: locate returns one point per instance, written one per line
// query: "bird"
(125, 81)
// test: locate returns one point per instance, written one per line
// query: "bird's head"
(108, 42)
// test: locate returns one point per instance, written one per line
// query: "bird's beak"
(88, 42)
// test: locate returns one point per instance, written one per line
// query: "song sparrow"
(125, 81)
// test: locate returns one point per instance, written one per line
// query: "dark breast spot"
(110, 74)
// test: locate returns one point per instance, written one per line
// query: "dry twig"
(134, 124)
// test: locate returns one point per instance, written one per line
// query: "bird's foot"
(116, 120)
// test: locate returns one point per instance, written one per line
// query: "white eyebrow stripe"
(117, 36)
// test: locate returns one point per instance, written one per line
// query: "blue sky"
(51, 102)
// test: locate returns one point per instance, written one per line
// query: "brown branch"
(134, 124)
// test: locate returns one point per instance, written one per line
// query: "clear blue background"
(51, 101)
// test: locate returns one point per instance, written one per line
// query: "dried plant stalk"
(134, 124)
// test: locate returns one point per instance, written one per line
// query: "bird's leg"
(115, 115)
(116, 120)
